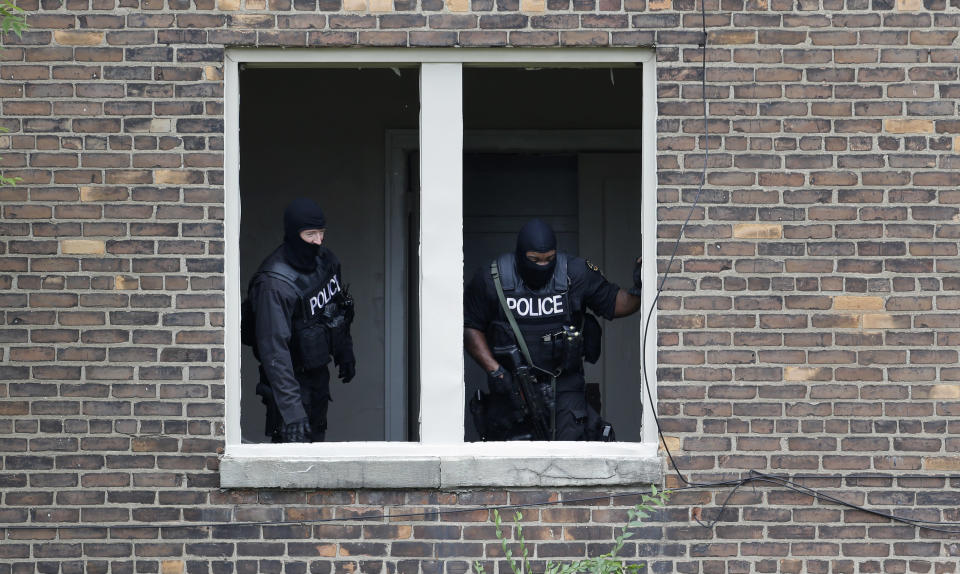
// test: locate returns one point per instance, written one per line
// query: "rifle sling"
(495, 272)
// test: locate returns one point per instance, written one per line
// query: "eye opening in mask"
(542, 258)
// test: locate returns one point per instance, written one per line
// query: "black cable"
(818, 494)
(755, 476)
(723, 507)
(378, 516)
(822, 496)
(676, 245)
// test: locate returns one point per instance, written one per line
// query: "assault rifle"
(527, 391)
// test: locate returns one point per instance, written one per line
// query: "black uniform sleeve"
(598, 294)
(274, 303)
(480, 302)
(341, 339)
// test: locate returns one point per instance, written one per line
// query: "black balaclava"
(535, 235)
(302, 213)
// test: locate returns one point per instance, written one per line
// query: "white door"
(609, 193)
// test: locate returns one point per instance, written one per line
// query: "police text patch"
(324, 295)
(537, 306)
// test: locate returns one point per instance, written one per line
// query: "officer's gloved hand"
(347, 363)
(637, 279)
(347, 371)
(499, 381)
(296, 431)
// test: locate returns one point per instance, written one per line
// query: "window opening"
(566, 151)
(321, 133)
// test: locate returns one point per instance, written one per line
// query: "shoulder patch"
(592, 266)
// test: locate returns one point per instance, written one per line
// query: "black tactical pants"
(571, 407)
(495, 415)
(315, 390)
(315, 394)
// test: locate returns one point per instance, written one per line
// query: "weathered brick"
(830, 195)
(82, 246)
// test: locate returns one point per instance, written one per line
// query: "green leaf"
(12, 19)
(605, 564)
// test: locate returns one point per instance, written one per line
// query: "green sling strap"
(495, 272)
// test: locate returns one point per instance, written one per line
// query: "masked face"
(536, 253)
(302, 215)
(538, 268)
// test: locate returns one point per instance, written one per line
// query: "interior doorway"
(592, 202)
(586, 184)
(610, 223)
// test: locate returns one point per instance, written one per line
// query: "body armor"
(547, 318)
(323, 309)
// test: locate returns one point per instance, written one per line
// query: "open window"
(392, 143)
(568, 152)
(320, 133)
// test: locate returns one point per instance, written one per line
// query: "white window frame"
(440, 459)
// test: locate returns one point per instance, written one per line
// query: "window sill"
(414, 465)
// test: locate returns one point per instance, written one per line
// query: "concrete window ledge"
(402, 465)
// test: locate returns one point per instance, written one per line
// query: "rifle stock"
(532, 403)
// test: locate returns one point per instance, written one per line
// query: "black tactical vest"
(317, 306)
(541, 314)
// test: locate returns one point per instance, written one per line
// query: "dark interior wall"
(502, 191)
(320, 133)
(552, 98)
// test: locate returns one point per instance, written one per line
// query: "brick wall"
(812, 325)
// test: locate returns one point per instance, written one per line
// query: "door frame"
(399, 143)
(620, 337)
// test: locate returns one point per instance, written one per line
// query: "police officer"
(302, 318)
(548, 292)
